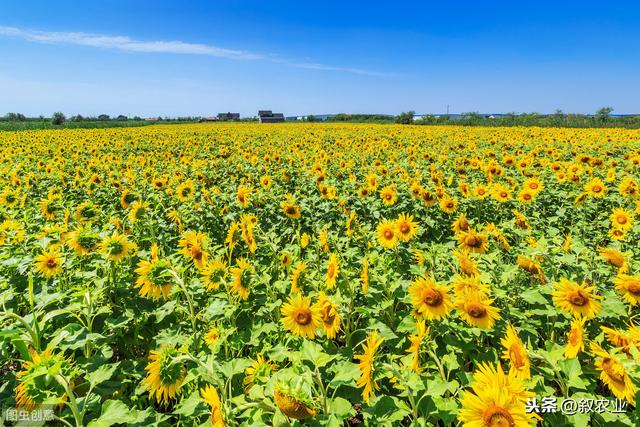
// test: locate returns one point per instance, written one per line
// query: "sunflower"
(213, 273)
(212, 335)
(475, 308)
(388, 234)
(259, 372)
(87, 212)
(621, 219)
(431, 300)
(595, 188)
(127, 198)
(164, 376)
(296, 276)
(304, 240)
(429, 200)
(520, 220)
(300, 317)
(629, 287)
(501, 193)
(495, 400)
(467, 264)
(461, 285)
(210, 396)
(526, 196)
(292, 405)
(406, 227)
(480, 191)
(116, 247)
(615, 258)
(265, 181)
(35, 383)
(137, 211)
(155, 278)
(531, 267)
(414, 348)
(575, 344)
(192, 246)
(533, 185)
(332, 271)
(83, 240)
(621, 339)
(186, 191)
(460, 224)
(330, 316)
(240, 274)
(323, 239)
(50, 206)
(614, 374)
(516, 353)
(242, 196)
(49, 262)
(579, 300)
(372, 181)
(472, 241)
(389, 195)
(448, 204)
(617, 234)
(364, 276)
(290, 207)
(366, 381)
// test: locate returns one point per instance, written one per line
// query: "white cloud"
(128, 44)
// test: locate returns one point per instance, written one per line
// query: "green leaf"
(388, 409)
(114, 412)
(188, 406)
(345, 373)
(314, 353)
(341, 408)
(572, 370)
(102, 373)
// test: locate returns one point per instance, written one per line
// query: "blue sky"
(200, 58)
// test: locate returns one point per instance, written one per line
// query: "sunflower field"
(320, 275)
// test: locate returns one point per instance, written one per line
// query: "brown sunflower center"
(196, 253)
(621, 219)
(52, 263)
(516, 356)
(388, 234)
(432, 298)
(578, 298)
(303, 317)
(404, 228)
(574, 336)
(476, 310)
(290, 210)
(495, 416)
(473, 241)
(613, 370)
(634, 288)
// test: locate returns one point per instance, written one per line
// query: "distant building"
(228, 116)
(267, 116)
(209, 119)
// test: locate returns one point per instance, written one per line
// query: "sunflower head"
(164, 374)
(294, 399)
(579, 300)
(36, 384)
(300, 317)
(388, 234)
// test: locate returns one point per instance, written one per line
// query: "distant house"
(267, 116)
(209, 119)
(228, 116)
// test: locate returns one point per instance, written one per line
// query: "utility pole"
(447, 110)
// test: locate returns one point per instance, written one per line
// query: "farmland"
(320, 274)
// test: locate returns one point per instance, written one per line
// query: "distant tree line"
(601, 118)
